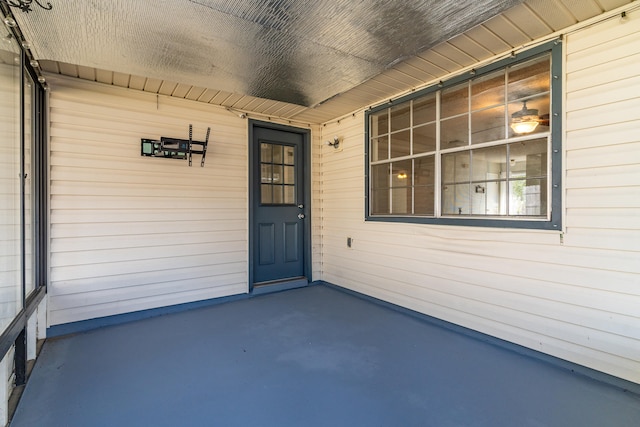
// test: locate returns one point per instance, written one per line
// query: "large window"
(481, 149)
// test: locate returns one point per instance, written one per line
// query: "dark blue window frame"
(555, 219)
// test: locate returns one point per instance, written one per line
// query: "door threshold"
(279, 285)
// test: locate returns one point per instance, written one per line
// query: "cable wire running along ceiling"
(294, 51)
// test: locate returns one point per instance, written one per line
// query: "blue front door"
(278, 205)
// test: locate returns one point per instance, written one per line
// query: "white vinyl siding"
(129, 232)
(574, 295)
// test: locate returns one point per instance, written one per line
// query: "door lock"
(300, 216)
(300, 206)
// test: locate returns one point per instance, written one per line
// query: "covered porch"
(313, 356)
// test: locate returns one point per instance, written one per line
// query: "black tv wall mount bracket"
(175, 148)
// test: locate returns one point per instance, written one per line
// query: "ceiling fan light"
(525, 120)
(524, 126)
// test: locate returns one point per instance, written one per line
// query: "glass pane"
(289, 175)
(530, 116)
(528, 197)
(278, 197)
(380, 123)
(487, 125)
(529, 78)
(289, 155)
(380, 202)
(425, 168)
(401, 200)
(424, 139)
(424, 200)
(277, 154)
(265, 173)
(380, 176)
(289, 195)
(454, 101)
(400, 144)
(10, 222)
(489, 198)
(454, 132)
(277, 174)
(487, 91)
(455, 167)
(28, 185)
(380, 148)
(488, 163)
(424, 109)
(266, 194)
(424, 181)
(528, 159)
(455, 199)
(402, 173)
(401, 116)
(266, 153)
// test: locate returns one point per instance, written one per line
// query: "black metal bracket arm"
(175, 148)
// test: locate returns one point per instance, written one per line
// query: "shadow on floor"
(306, 357)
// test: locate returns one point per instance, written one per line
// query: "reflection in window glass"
(487, 125)
(379, 123)
(454, 132)
(28, 186)
(380, 148)
(424, 196)
(400, 117)
(454, 101)
(424, 110)
(400, 144)
(424, 138)
(488, 91)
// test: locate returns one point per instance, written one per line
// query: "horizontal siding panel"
(127, 306)
(91, 216)
(604, 73)
(624, 111)
(606, 52)
(614, 219)
(112, 282)
(604, 177)
(133, 240)
(145, 291)
(106, 269)
(78, 232)
(602, 136)
(612, 198)
(605, 157)
(606, 94)
(604, 32)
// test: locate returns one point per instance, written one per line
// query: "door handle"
(300, 216)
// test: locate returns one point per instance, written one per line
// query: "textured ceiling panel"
(301, 52)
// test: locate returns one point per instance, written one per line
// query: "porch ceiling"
(308, 61)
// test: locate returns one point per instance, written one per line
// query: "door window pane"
(278, 174)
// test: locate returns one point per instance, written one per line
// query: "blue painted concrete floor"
(314, 356)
